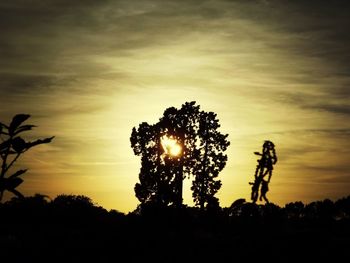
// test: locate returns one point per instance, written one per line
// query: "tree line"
(82, 208)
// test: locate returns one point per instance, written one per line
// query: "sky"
(89, 71)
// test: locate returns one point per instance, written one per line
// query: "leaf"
(4, 145)
(2, 125)
(18, 173)
(11, 183)
(15, 182)
(15, 192)
(16, 121)
(23, 128)
(18, 144)
(40, 141)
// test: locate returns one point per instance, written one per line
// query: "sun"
(171, 146)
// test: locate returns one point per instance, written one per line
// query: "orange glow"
(170, 146)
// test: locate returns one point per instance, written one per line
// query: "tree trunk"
(202, 191)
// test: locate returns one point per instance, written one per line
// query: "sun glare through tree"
(171, 146)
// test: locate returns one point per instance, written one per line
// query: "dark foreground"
(72, 229)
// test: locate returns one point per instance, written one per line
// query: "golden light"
(170, 146)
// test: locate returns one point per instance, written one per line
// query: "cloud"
(22, 84)
(271, 69)
(339, 109)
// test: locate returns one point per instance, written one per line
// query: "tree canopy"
(199, 154)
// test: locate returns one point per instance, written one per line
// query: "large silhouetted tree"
(12, 146)
(202, 146)
(210, 159)
(155, 183)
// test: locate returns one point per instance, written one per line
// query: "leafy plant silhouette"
(202, 156)
(264, 167)
(12, 146)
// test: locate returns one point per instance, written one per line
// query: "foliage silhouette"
(295, 210)
(263, 190)
(210, 160)
(264, 167)
(12, 146)
(202, 157)
(69, 226)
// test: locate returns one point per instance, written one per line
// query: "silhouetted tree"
(271, 213)
(12, 146)
(263, 190)
(202, 146)
(343, 207)
(157, 174)
(235, 208)
(144, 142)
(181, 125)
(264, 167)
(321, 210)
(73, 201)
(294, 210)
(210, 159)
(161, 174)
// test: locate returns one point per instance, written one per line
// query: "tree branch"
(4, 161)
(12, 162)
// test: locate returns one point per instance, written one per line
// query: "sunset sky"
(89, 71)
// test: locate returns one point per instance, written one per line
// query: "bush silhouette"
(73, 226)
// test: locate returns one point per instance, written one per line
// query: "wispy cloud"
(90, 70)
